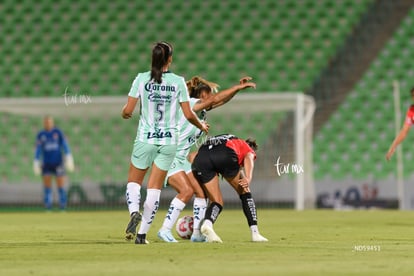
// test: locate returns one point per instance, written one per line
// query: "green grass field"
(310, 242)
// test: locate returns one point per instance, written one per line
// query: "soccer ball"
(184, 227)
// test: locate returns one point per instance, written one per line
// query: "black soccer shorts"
(215, 159)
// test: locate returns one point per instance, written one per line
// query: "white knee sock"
(133, 196)
(173, 213)
(199, 210)
(151, 204)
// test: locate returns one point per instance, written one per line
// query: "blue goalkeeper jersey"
(49, 146)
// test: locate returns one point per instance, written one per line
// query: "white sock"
(173, 213)
(133, 196)
(151, 204)
(254, 229)
(199, 211)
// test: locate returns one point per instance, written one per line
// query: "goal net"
(101, 142)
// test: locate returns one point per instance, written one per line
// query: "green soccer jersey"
(188, 132)
(159, 107)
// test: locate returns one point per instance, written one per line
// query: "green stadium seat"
(94, 46)
(375, 130)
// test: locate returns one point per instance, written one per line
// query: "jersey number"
(160, 111)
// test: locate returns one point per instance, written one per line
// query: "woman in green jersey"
(160, 94)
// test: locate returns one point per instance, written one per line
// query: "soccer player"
(160, 94)
(226, 155)
(49, 161)
(179, 176)
(409, 121)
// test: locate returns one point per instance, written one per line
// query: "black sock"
(213, 211)
(249, 208)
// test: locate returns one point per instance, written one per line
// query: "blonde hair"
(197, 84)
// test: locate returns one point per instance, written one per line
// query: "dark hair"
(412, 91)
(196, 91)
(160, 54)
(252, 143)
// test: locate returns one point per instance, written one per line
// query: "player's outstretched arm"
(129, 107)
(398, 140)
(192, 117)
(224, 96)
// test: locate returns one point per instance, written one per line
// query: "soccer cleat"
(209, 233)
(198, 238)
(256, 237)
(132, 226)
(141, 239)
(166, 236)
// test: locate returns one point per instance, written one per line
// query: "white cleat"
(198, 238)
(256, 237)
(210, 235)
(166, 236)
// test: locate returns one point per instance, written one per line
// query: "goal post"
(282, 123)
(305, 191)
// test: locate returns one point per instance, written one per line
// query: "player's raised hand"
(245, 79)
(249, 84)
(246, 82)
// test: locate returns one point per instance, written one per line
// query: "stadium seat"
(100, 23)
(94, 46)
(374, 131)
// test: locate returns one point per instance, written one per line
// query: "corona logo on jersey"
(159, 87)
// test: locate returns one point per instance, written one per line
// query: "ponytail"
(252, 143)
(197, 84)
(160, 54)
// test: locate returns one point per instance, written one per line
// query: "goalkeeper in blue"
(52, 158)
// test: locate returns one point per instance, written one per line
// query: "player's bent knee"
(186, 194)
